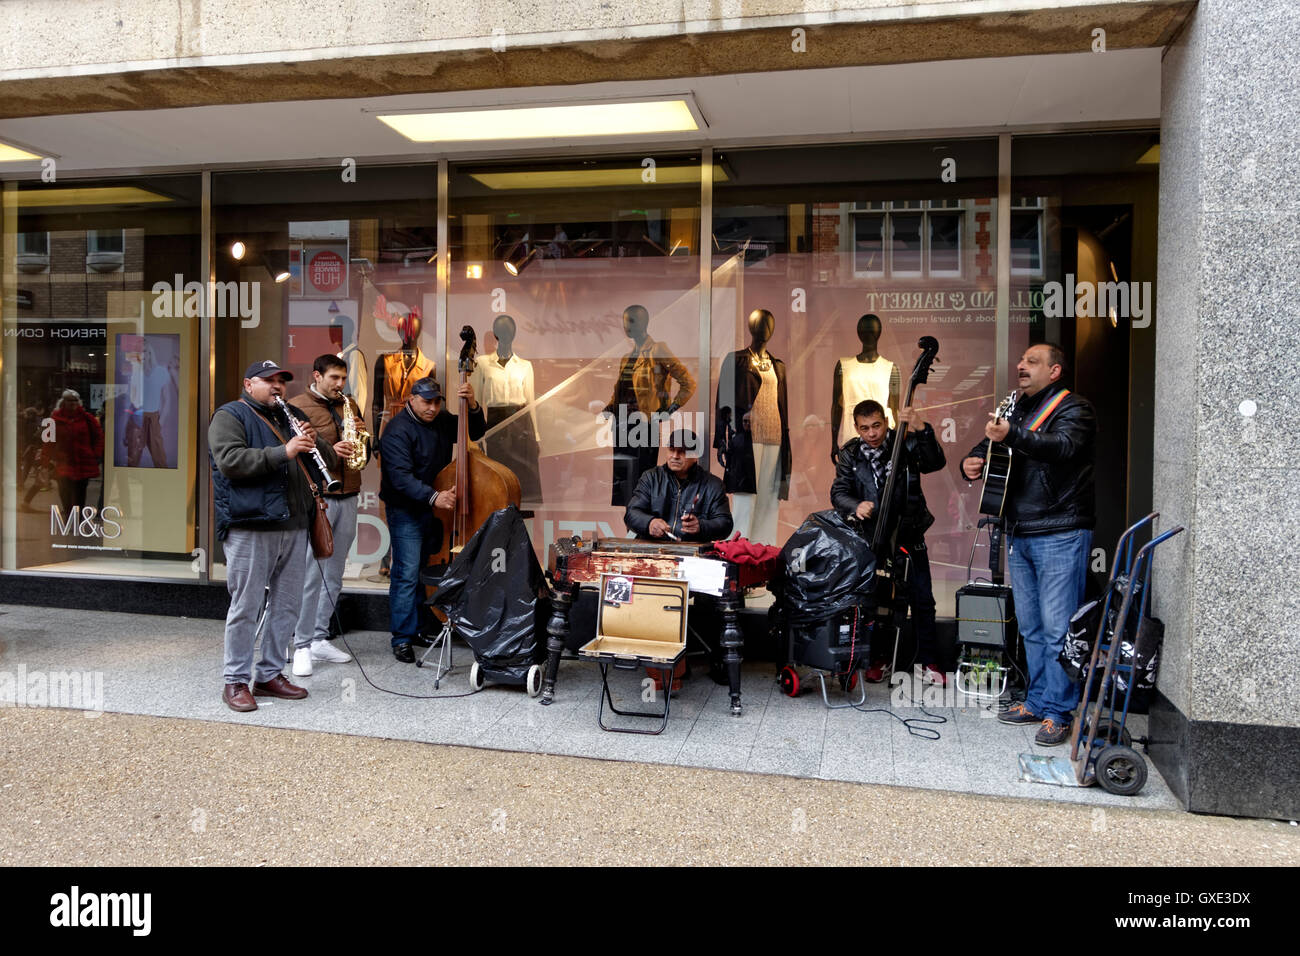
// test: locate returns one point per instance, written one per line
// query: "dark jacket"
(255, 484)
(412, 452)
(855, 482)
(660, 495)
(1051, 486)
(738, 386)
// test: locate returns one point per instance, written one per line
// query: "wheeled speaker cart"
(838, 648)
(1101, 750)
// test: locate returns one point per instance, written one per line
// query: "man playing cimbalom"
(1050, 513)
(323, 404)
(417, 444)
(263, 506)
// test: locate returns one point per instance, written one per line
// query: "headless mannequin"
(883, 389)
(757, 457)
(505, 383)
(396, 372)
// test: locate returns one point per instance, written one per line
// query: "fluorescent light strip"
(12, 154)
(545, 122)
(611, 176)
(87, 196)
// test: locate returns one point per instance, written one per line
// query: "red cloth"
(744, 551)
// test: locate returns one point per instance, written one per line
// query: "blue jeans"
(413, 535)
(1048, 574)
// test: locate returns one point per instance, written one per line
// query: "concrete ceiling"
(948, 97)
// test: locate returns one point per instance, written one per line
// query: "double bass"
(482, 485)
(884, 540)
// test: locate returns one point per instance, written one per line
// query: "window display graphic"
(146, 401)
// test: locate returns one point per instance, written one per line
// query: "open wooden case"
(640, 622)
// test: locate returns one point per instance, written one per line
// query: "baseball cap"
(267, 369)
(427, 388)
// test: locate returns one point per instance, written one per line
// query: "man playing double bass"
(417, 444)
(860, 477)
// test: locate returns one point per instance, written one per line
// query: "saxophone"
(355, 432)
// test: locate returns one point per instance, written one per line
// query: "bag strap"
(276, 432)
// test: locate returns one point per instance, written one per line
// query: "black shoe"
(1018, 713)
(421, 641)
(1052, 734)
(404, 653)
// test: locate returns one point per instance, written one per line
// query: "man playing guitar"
(1050, 513)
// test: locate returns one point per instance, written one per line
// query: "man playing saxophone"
(329, 411)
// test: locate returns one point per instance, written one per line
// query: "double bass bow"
(482, 485)
(885, 535)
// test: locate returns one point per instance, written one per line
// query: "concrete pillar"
(1227, 435)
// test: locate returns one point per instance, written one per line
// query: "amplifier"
(986, 615)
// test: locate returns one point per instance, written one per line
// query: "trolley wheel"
(534, 685)
(788, 680)
(1121, 770)
(849, 682)
(419, 662)
(1110, 731)
(476, 678)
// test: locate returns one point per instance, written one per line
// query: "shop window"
(33, 252)
(105, 250)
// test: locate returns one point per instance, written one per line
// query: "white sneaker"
(325, 651)
(302, 662)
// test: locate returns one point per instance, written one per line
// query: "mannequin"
(503, 383)
(753, 432)
(861, 377)
(642, 387)
(396, 372)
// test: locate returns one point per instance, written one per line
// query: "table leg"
(557, 636)
(731, 644)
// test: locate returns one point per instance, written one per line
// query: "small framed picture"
(618, 590)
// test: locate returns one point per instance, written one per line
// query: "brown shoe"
(237, 697)
(278, 686)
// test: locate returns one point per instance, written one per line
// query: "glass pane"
(101, 436)
(580, 279)
(332, 268)
(819, 280)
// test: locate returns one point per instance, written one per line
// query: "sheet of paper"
(704, 574)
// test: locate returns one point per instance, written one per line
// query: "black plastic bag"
(1079, 640)
(490, 593)
(826, 567)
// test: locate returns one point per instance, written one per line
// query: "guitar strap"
(1047, 411)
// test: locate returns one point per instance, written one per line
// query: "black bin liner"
(490, 594)
(826, 568)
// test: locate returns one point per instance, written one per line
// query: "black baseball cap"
(267, 369)
(427, 388)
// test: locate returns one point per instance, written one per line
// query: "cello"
(482, 485)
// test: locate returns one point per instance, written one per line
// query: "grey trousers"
(319, 597)
(255, 559)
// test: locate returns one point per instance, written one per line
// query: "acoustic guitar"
(997, 466)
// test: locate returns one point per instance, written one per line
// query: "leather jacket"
(652, 365)
(1051, 484)
(660, 495)
(855, 483)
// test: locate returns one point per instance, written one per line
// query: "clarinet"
(331, 484)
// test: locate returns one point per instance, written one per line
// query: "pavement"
(160, 771)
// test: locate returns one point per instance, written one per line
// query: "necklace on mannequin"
(763, 363)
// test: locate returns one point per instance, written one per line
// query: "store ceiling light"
(591, 178)
(12, 154)
(237, 249)
(518, 260)
(87, 196)
(561, 121)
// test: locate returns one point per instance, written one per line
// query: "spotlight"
(237, 249)
(518, 260)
